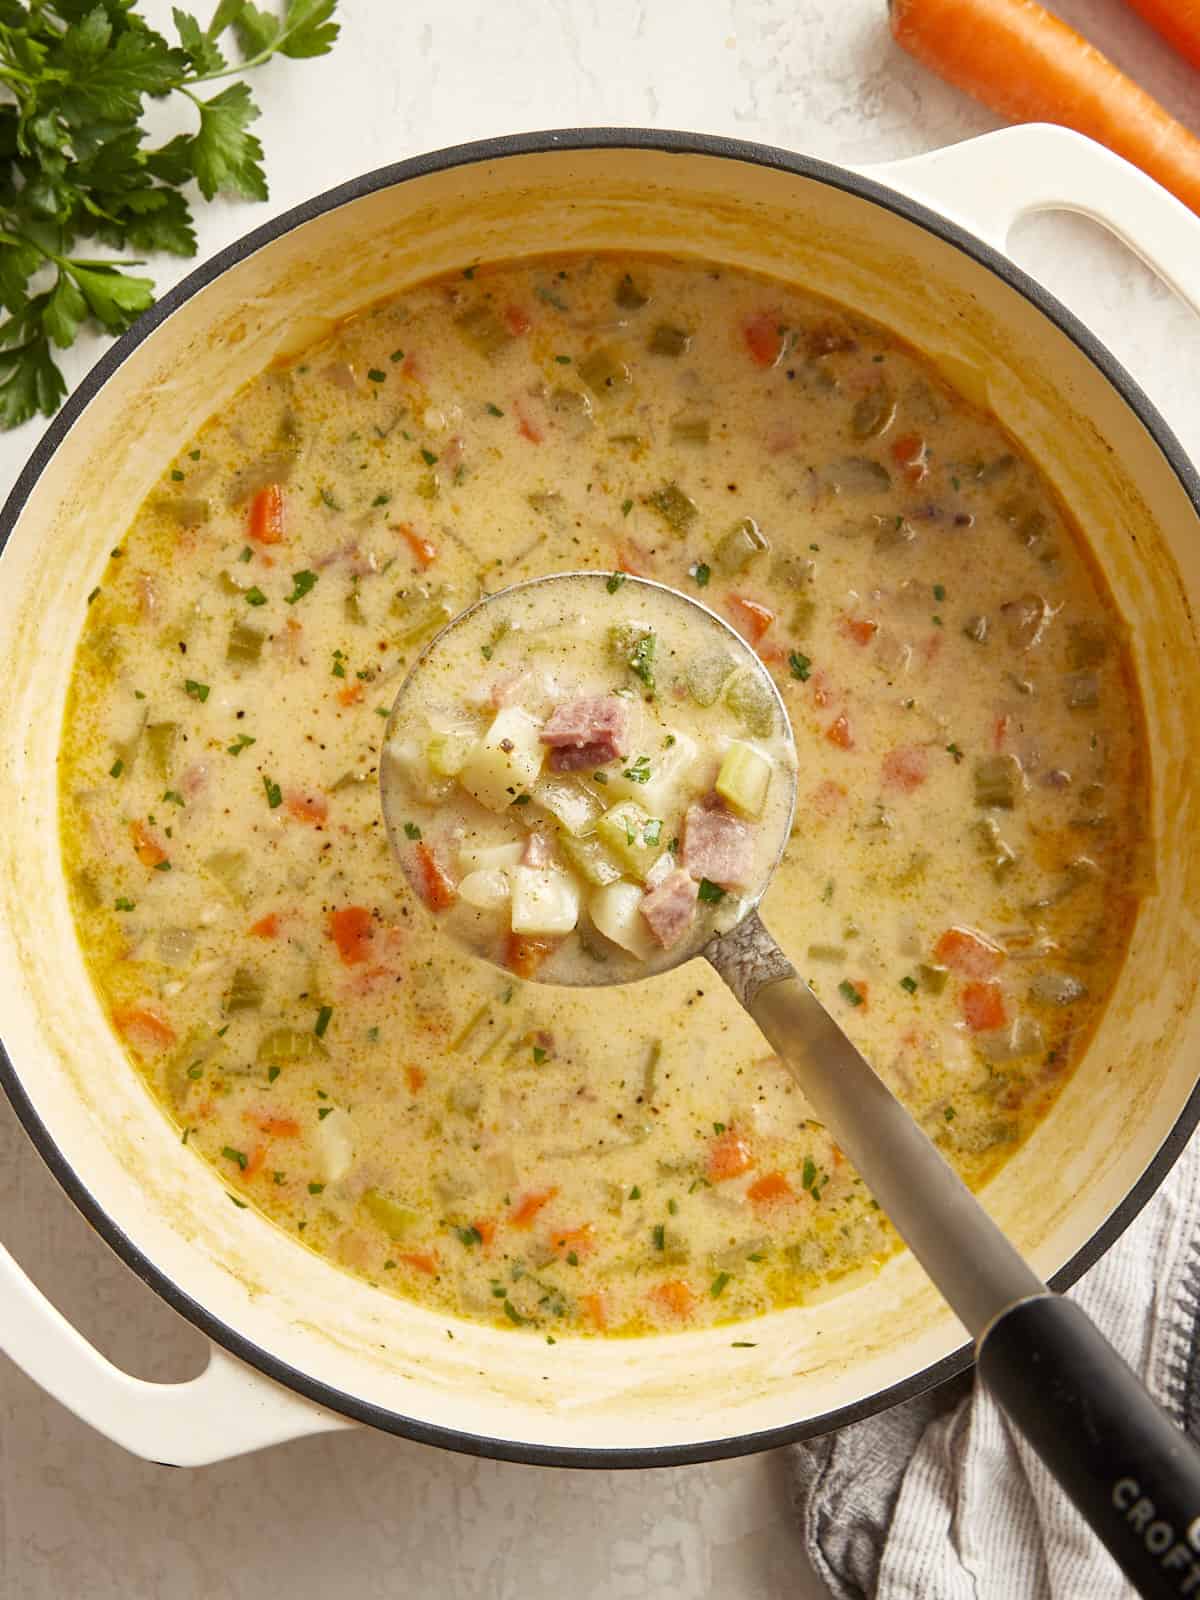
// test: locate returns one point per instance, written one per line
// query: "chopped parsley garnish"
(273, 792)
(652, 832)
(469, 1237)
(563, 361)
(323, 1112)
(641, 659)
(231, 1154)
(338, 670)
(711, 893)
(849, 993)
(428, 457)
(801, 666)
(626, 507)
(953, 750)
(194, 690)
(302, 582)
(162, 866)
(599, 777)
(949, 1113)
(176, 475)
(522, 800)
(486, 651)
(411, 831)
(718, 1284)
(316, 1188)
(174, 796)
(123, 903)
(513, 1315)
(939, 592)
(937, 621)
(539, 1054)
(635, 1193)
(242, 742)
(659, 1235)
(381, 499)
(701, 573)
(743, 1344)
(615, 581)
(639, 772)
(493, 410)
(245, 554)
(909, 983)
(117, 768)
(396, 355)
(809, 1175)
(322, 1022)
(718, 1127)
(375, 375)
(273, 1073)
(93, 594)
(254, 596)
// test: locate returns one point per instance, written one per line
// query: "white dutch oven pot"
(297, 1346)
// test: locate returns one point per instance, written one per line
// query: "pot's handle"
(229, 1410)
(987, 184)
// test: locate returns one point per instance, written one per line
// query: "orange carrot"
(524, 954)
(969, 954)
(146, 846)
(911, 455)
(420, 1261)
(861, 629)
(770, 1190)
(728, 1157)
(350, 694)
(307, 807)
(431, 880)
(144, 1028)
(595, 1310)
(425, 552)
(838, 732)
(1030, 67)
(254, 1161)
(266, 927)
(266, 515)
(350, 929)
(576, 1242)
(415, 1078)
(675, 1297)
(749, 617)
(764, 338)
(527, 1207)
(518, 321)
(983, 1007)
(906, 767)
(485, 1227)
(1177, 20)
(277, 1127)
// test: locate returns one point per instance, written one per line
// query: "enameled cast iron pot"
(297, 1345)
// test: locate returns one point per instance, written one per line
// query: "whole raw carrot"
(1028, 66)
(1178, 21)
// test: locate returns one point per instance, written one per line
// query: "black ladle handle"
(1132, 1473)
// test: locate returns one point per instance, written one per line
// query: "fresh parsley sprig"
(74, 161)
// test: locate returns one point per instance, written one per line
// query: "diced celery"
(229, 868)
(483, 330)
(421, 610)
(998, 781)
(1087, 645)
(690, 430)
(572, 806)
(161, 738)
(446, 752)
(276, 466)
(633, 836)
(933, 979)
(186, 511)
(392, 1217)
(668, 340)
(874, 411)
(506, 762)
(736, 549)
(288, 1044)
(993, 849)
(677, 509)
(706, 675)
(616, 910)
(827, 952)
(231, 583)
(591, 859)
(604, 372)
(245, 644)
(544, 901)
(244, 992)
(751, 702)
(627, 294)
(744, 778)
(352, 608)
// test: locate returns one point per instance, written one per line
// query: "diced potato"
(669, 767)
(616, 911)
(488, 857)
(392, 1217)
(633, 836)
(506, 762)
(751, 702)
(335, 1144)
(446, 752)
(544, 900)
(571, 805)
(487, 889)
(591, 860)
(408, 761)
(706, 675)
(744, 778)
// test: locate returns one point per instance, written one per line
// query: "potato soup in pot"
(960, 878)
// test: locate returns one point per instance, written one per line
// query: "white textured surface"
(361, 1514)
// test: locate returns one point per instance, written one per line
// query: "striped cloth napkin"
(939, 1499)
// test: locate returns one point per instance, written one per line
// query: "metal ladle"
(1133, 1475)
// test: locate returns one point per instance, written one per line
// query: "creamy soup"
(960, 877)
(616, 790)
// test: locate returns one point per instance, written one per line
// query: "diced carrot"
(838, 732)
(415, 1078)
(631, 558)
(750, 617)
(828, 797)
(526, 427)
(266, 927)
(266, 515)
(254, 1161)
(1000, 731)
(146, 846)
(518, 321)
(1026, 64)
(596, 1310)
(728, 1157)
(144, 1028)
(425, 552)
(420, 1261)
(307, 806)
(485, 1227)
(527, 1207)
(524, 954)
(413, 366)
(906, 768)
(579, 1241)
(968, 953)
(861, 629)
(822, 690)
(770, 1189)
(911, 455)
(276, 1127)
(431, 880)
(675, 1297)
(351, 929)
(764, 338)
(983, 1007)
(350, 694)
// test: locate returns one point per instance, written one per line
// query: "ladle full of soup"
(613, 772)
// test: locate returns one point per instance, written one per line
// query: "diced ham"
(587, 733)
(718, 846)
(670, 909)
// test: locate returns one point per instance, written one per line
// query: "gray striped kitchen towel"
(939, 1499)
